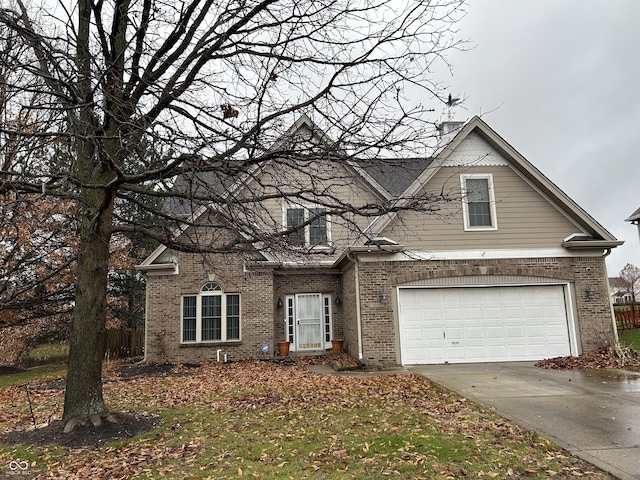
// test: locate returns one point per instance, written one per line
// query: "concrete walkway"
(594, 414)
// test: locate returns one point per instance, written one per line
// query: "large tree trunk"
(83, 396)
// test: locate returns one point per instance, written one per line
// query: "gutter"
(156, 266)
(358, 313)
(591, 244)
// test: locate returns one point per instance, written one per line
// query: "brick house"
(511, 270)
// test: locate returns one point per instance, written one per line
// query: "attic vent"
(381, 241)
(450, 126)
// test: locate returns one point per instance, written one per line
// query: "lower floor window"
(211, 315)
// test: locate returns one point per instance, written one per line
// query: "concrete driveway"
(594, 414)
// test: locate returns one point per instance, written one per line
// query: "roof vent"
(381, 241)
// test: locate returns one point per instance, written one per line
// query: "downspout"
(146, 320)
(606, 253)
(358, 314)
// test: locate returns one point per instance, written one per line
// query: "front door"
(308, 321)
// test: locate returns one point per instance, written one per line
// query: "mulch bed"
(337, 361)
(129, 424)
(8, 370)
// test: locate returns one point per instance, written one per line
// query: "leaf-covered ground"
(259, 419)
(606, 357)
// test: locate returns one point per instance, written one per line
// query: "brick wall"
(262, 321)
(349, 310)
(379, 324)
(164, 294)
(287, 282)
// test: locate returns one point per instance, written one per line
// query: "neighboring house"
(514, 270)
(619, 289)
(634, 218)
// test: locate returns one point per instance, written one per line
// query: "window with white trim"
(316, 231)
(210, 316)
(478, 203)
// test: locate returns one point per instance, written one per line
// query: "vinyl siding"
(525, 218)
(332, 179)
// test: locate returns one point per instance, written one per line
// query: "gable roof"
(634, 217)
(596, 235)
(396, 175)
(384, 179)
(404, 178)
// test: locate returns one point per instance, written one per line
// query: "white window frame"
(306, 231)
(327, 320)
(207, 291)
(492, 202)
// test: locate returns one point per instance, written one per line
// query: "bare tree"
(143, 92)
(628, 282)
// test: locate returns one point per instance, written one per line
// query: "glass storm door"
(309, 322)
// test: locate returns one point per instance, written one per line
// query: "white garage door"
(482, 324)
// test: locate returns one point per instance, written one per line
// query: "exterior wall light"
(589, 291)
(383, 297)
(279, 304)
(337, 300)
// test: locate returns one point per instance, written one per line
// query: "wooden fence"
(627, 319)
(124, 343)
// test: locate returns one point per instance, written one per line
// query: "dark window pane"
(211, 318)
(479, 215)
(211, 287)
(317, 227)
(478, 202)
(233, 317)
(477, 190)
(189, 319)
(295, 217)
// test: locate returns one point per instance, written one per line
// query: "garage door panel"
(415, 335)
(538, 330)
(533, 312)
(473, 333)
(491, 332)
(474, 324)
(452, 314)
(496, 351)
(455, 353)
(511, 312)
(454, 333)
(515, 331)
(490, 313)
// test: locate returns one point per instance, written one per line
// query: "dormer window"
(478, 202)
(314, 228)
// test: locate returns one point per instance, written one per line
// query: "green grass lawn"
(261, 420)
(47, 353)
(630, 338)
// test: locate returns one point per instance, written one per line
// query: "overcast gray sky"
(559, 80)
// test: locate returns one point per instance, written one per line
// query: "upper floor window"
(211, 315)
(478, 204)
(314, 225)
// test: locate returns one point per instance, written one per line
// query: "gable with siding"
(525, 217)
